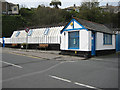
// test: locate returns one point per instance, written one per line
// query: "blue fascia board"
(73, 26)
(75, 29)
(68, 24)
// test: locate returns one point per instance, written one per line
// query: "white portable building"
(43, 37)
(82, 37)
(37, 36)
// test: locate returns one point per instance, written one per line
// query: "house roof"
(93, 26)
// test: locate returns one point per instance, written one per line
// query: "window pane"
(107, 39)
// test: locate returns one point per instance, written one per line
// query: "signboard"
(27, 30)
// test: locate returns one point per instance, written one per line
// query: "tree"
(55, 3)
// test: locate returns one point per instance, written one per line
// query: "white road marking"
(11, 64)
(84, 85)
(76, 83)
(60, 78)
(33, 73)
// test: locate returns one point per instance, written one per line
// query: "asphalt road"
(30, 72)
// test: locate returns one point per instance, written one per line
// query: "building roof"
(93, 26)
(39, 32)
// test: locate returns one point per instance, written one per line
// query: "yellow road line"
(24, 55)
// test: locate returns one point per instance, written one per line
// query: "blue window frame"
(107, 39)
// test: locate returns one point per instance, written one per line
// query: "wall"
(15, 11)
(1, 40)
(83, 41)
(34, 40)
(64, 41)
(99, 42)
(4, 7)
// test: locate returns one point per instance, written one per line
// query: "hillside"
(42, 16)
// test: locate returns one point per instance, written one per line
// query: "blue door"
(93, 44)
(118, 42)
(73, 40)
(3, 41)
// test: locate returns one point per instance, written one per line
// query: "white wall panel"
(69, 27)
(76, 25)
(1, 40)
(84, 40)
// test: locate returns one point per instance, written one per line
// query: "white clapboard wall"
(36, 36)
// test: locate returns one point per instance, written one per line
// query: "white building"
(49, 37)
(82, 37)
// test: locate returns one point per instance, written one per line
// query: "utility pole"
(26, 41)
(27, 30)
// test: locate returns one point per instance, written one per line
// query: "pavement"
(48, 55)
(26, 71)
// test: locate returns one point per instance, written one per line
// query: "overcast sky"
(65, 3)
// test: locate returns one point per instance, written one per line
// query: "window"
(15, 9)
(46, 31)
(17, 34)
(107, 38)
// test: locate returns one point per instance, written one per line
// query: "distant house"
(85, 38)
(73, 8)
(10, 8)
(110, 8)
